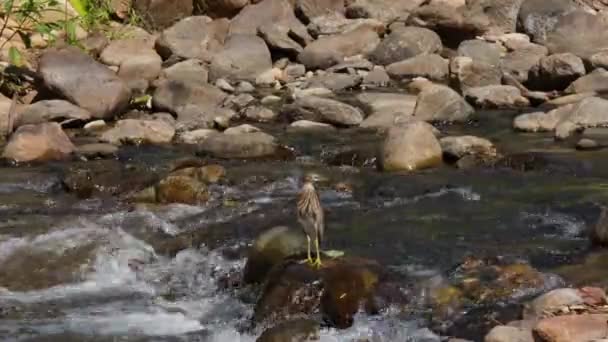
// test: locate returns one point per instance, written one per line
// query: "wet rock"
(409, 148)
(538, 17)
(131, 131)
(246, 145)
(465, 74)
(590, 112)
(331, 50)
(551, 302)
(481, 52)
(181, 189)
(305, 125)
(176, 96)
(458, 147)
(404, 43)
(271, 248)
(496, 96)
(557, 71)
(596, 81)
(59, 111)
(197, 37)
(162, 13)
(310, 9)
(294, 330)
(335, 23)
(563, 38)
(102, 93)
(504, 333)
(259, 113)
(41, 142)
(574, 328)
(244, 57)
(441, 103)
(599, 231)
(385, 11)
(541, 122)
(431, 66)
(315, 108)
(334, 81)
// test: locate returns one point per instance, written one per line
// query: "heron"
(311, 217)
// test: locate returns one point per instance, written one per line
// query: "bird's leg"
(309, 258)
(317, 262)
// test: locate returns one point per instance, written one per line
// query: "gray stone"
(335, 23)
(459, 146)
(40, 142)
(259, 113)
(333, 81)
(431, 66)
(190, 70)
(557, 71)
(580, 33)
(503, 333)
(197, 37)
(440, 103)
(244, 57)
(596, 81)
(132, 131)
(466, 73)
(404, 43)
(174, 96)
(538, 17)
(481, 52)
(496, 96)
(321, 109)
(245, 145)
(162, 13)
(59, 111)
(385, 11)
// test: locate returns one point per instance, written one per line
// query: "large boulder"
(310, 9)
(243, 58)
(481, 52)
(405, 42)
(51, 110)
(441, 103)
(580, 33)
(521, 62)
(197, 37)
(133, 131)
(331, 50)
(557, 71)
(83, 81)
(387, 109)
(538, 17)
(409, 148)
(41, 142)
(5, 108)
(162, 13)
(572, 328)
(314, 108)
(466, 73)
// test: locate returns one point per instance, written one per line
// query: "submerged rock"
(181, 189)
(458, 147)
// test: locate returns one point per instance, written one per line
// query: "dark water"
(90, 269)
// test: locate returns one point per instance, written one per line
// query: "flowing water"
(93, 269)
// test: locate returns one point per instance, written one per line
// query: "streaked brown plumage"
(311, 217)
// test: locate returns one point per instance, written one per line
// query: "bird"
(311, 217)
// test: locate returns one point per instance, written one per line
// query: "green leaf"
(8, 6)
(70, 32)
(14, 57)
(80, 6)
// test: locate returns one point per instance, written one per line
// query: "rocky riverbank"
(220, 106)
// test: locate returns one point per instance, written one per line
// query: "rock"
(333, 81)
(101, 92)
(328, 51)
(41, 142)
(596, 81)
(239, 102)
(220, 8)
(432, 66)
(278, 39)
(5, 107)
(294, 71)
(97, 150)
(196, 137)
(590, 112)
(502, 14)
(575, 328)
(599, 60)
(271, 248)
(190, 70)
(335, 23)
(496, 96)
(59, 111)
(95, 126)
(440, 103)
(386, 11)
(404, 43)
(465, 74)
(162, 13)
(565, 37)
(377, 77)
(118, 51)
(458, 147)
(538, 17)
(387, 109)
(181, 189)
(520, 63)
(552, 301)
(481, 52)
(146, 66)
(587, 144)
(224, 85)
(504, 333)
(310, 9)
(259, 113)
(324, 110)
(241, 129)
(176, 96)
(409, 148)
(246, 145)
(244, 87)
(243, 58)
(557, 71)
(196, 37)
(305, 125)
(294, 330)
(133, 131)
(453, 23)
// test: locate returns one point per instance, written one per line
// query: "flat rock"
(84, 82)
(496, 96)
(431, 66)
(176, 96)
(190, 70)
(481, 52)
(596, 81)
(458, 147)
(59, 111)
(324, 110)
(466, 73)
(133, 131)
(504, 333)
(40, 142)
(575, 328)
(567, 33)
(197, 37)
